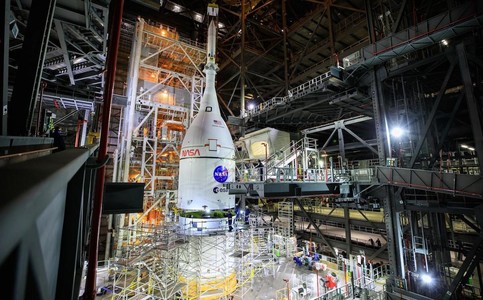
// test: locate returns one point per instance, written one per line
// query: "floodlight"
(426, 278)
(397, 132)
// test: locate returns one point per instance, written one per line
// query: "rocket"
(207, 153)
(207, 161)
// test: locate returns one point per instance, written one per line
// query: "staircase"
(290, 154)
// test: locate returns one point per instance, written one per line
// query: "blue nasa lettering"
(220, 174)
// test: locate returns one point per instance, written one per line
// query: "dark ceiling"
(285, 47)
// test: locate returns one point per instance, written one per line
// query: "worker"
(378, 243)
(58, 139)
(260, 166)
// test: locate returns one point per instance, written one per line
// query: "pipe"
(115, 34)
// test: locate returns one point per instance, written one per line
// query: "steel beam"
(380, 121)
(72, 245)
(397, 23)
(25, 91)
(446, 129)
(469, 223)
(391, 230)
(4, 41)
(242, 63)
(431, 116)
(347, 224)
(317, 229)
(65, 52)
(349, 121)
(114, 38)
(359, 139)
(474, 107)
(340, 138)
(455, 184)
(285, 44)
(466, 269)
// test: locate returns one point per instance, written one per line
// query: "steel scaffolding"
(207, 265)
(164, 90)
(284, 240)
(148, 266)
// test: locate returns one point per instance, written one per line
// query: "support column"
(114, 38)
(390, 219)
(348, 237)
(84, 127)
(4, 43)
(284, 34)
(29, 73)
(242, 63)
(370, 22)
(474, 108)
(340, 135)
(132, 94)
(380, 121)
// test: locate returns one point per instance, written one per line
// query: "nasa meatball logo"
(220, 174)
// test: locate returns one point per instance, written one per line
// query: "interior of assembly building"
(353, 167)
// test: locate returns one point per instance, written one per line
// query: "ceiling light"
(251, 106)
(444, 42)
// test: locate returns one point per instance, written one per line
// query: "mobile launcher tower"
(207, 161)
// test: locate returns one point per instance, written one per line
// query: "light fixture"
(444, 42)
(426, 278)
(251, 106)
(397, 132)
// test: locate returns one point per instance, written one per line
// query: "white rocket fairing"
(207, 153)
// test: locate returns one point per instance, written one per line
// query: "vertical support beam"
(285, 44)
(29, 73)
(114, 38)
(242, 62)
(84, 127)
(445, 253)
(474, 107)
(348, 237)
(370, 22)
(390, 219)
(132, 94)
(397, 23)
(431, 116)
(379, 117)
(340, 135)
(4, 43)
(331, 30)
